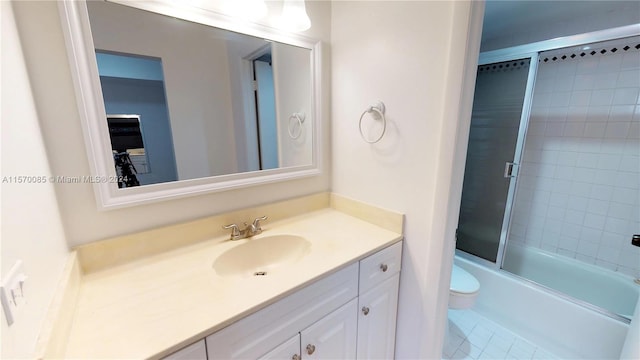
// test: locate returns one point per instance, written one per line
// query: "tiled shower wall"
(578, 188)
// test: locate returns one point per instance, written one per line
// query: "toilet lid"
(463, 282)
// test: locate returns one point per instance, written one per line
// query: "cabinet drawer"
(380, 266)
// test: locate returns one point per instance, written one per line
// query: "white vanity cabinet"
(195, 351)
(347, 315)
(377, 320)
(378, 303)
(290, 349)
(258, 334)
(332, 337)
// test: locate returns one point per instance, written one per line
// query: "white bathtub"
(606, 289)
(560, 326)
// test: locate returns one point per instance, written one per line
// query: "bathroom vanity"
(335, 298)
(320, 281)
(347, 315)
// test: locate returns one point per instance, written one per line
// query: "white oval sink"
(262, 255)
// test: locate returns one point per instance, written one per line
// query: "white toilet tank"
(463, 289)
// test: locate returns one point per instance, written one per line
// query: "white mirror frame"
(80, 49)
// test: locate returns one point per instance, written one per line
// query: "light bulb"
(294, 16)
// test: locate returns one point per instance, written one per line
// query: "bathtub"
(606, 289)
(557, 324)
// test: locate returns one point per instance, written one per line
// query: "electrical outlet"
(12, 293)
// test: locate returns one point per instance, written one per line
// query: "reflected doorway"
(266, 124)
(133, 88)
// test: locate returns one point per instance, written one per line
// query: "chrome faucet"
(249, 230)
(255, 228)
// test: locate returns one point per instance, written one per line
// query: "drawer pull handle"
(296, 357)
(311, 349)
(365, 310)
(384, 267)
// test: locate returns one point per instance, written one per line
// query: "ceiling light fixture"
(294, 16)
(249, 10)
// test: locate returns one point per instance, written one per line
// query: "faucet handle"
(256, 223)
(235, 231)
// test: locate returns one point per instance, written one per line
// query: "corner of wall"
(463, 55)
(31, 226)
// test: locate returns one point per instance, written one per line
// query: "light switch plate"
(12, 292)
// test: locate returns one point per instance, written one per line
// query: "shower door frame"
(517, 153)
(532, 51)
(519, 148)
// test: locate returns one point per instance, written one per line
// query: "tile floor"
(472, 336)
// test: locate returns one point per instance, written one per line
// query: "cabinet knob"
(311, 349)
(384, 267)
(296, 357)
(365, 310)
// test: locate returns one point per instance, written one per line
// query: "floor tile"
(472, 336)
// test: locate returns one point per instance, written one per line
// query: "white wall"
(31, 226)
(578, 190)
(291, 69)
(412, 56)
(46, 59)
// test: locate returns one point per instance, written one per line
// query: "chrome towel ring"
(380, 109)
(299, 119)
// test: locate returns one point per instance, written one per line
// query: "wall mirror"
(178, 100)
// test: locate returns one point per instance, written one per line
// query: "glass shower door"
(498, 123)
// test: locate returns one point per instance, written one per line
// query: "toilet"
(463, 290)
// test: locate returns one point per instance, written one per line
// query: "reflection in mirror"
(210, 102)
(132, 84)
(129, 153)
(220, 104)
(265, 108)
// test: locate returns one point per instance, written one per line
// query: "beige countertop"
(153, 306)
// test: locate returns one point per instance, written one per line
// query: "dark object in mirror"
(125, 132)
(126, 138)
(125, 170)
(635, 240)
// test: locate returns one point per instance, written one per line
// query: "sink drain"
(260, 273)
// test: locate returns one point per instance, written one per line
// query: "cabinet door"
(334, 336)
(289, 350)
(377, 320)
(195, 351)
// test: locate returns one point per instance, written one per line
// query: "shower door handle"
(509, 170)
